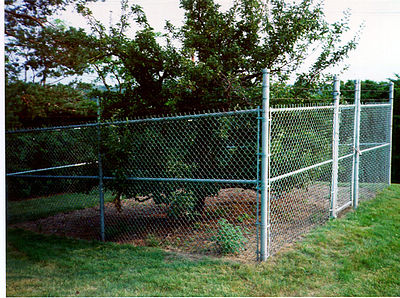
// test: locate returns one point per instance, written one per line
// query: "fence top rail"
(140, 179)
(131, 121)
(375, 105)
(299, 107)
(349, 106)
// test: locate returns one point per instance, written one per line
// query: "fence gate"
(319, 160)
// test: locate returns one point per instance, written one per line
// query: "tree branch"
(25, 16)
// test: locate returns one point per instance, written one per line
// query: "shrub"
(230, 238)
(152, 240)
(182, 204)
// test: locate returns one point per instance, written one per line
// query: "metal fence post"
(356, 157)
(265, 155)
(335, 147)
(258, 180)
(101, 192)
(391, 98)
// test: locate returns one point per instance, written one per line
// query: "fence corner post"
(391, 99)
(356, 143)
(335, 147)
(101, 192)
(265, 155)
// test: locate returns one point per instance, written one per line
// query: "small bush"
(182, 204)
(152, 240)
(244, 217)
(230, 238)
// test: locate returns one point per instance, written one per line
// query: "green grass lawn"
(357, 255)
(25, 210)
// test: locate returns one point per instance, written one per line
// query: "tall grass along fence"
(242, 182)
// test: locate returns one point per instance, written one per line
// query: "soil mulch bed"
(146, 223)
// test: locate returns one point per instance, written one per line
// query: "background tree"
(214, 60)
(34, 44)
(34, 105)
(38, 48)
(231, 48)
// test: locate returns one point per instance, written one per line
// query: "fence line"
(244, 182)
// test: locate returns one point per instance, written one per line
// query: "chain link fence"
(194, 182)
(187, 181)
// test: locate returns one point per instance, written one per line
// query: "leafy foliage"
(33, 105)
(33, 43)
(38, 150)
(230, 48)
(230, 238)
(212, 61)
(182, 205)
(200, 148)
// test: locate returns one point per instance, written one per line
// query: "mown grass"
(357, 255)
(31, 209)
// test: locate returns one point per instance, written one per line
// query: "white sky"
(377, 56)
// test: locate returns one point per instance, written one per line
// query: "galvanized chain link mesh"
(187, 181)
(301, 164)
(38, 202)
(206, 155)
(192, 182)
(346, 154)
(375, 149)
(300, 191)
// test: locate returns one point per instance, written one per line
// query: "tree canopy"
(33, 43)
(213, 60)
